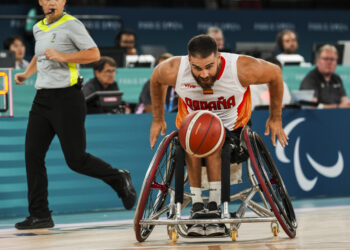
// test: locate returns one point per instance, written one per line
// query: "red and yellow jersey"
(229, 99)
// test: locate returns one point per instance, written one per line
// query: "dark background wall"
(173, 27)
(212, 4)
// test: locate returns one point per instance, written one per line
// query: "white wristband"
(320, 106)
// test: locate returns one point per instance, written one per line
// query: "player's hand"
(54, 55)
(20, 78)
(156, 128)
(275, 126)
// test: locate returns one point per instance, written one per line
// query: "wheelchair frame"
(264, 180)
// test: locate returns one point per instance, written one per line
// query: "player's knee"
(76, 163)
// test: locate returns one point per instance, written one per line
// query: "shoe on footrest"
(196, 230)
(214, 209)
(214, 212)
(198, 211)
(215, 229)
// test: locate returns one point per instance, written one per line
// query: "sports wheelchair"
(161, 202)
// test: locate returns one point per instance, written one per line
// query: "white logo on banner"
(305, 183)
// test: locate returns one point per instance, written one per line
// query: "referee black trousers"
(58, 112)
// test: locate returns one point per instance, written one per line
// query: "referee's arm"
(20, 78)
(80, 57)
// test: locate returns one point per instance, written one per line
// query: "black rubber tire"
(154, 191)
(270, 182)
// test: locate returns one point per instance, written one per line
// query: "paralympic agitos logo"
(305, 183)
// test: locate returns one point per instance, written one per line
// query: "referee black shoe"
(125, 189)
(32, 222)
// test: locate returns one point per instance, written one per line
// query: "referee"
(61, 43)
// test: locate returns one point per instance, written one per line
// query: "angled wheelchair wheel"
(155, 187)
(270, 182)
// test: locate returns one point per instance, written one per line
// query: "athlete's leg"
(38, 138)
(39, 135)
(194, 170)
(70, 128)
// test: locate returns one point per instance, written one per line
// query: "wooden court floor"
(319, 228)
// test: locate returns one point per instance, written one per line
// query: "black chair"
(7, 59)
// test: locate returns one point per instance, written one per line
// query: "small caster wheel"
(234, 235)
(274, 229)
(169, 231)
(174, 236)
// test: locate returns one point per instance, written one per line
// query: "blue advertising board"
(312, 165)
(314, 162)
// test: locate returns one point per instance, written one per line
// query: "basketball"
(201, 133)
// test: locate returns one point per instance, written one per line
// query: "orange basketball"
(201, 133)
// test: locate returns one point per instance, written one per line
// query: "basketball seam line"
(206, 134)
(220, 139)
(190, 127)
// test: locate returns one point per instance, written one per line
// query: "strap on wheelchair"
(225, 172)
(179, 173)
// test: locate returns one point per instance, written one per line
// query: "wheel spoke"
(270, 182)
(154, 191)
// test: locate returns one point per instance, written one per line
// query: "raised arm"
(257, 71)
(163, 75)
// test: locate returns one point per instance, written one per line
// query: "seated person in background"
(126, 39)
(260, 93)
(145, 102)
(287, 43)
(218, 35)
(328, 86)
(15, 43)
(105, 71)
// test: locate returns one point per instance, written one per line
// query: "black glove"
(238, 154)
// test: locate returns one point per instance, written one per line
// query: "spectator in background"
(15, 43)
(218, 35)
(287, 43)
(145, 102)
(126, 39)
(105, 71)
(328, 86)
(260, 94)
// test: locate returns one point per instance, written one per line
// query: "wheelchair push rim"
(281, 190)
(156, 184)
(278, 200)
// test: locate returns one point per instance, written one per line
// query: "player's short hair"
(98, 66)
(279, 38)
(202, 46)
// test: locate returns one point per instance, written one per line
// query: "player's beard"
(291, 50)
(206, 83)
